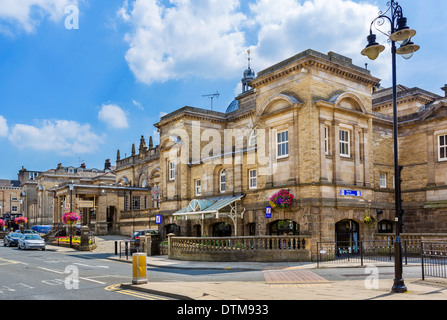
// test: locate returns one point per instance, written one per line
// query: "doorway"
(347, 236)
(222, 229)
(110, 218)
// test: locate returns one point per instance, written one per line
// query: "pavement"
(283, 281)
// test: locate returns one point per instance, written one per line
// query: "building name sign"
(350, 193)
(85, 204)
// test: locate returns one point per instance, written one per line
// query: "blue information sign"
(351, 193)
(158, 219)
(268, 212)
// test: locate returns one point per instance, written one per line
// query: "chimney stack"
(107, 165)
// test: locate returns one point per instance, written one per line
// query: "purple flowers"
(70, 217)
(282, 199)
(20, 220)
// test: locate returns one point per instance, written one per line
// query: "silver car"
(31, 241)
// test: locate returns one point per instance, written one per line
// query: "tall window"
(223, 181)
(282, 144)
(326, 140)
(198, 187)
(136, 203)
(253, 140)
(382, 180)
(126, 202)
(171, 171)
(443, 148)
(344, 144)
(253, 180)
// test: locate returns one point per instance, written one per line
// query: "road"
(51, 275)
(72, 275)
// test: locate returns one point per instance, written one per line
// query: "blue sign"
(351, 193)
(268, 212)
(158, 219)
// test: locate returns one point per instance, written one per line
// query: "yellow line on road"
(6, 262)
(141, 295)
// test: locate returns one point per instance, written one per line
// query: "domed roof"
(249, 73)
(234, 105)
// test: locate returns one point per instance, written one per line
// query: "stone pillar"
(85, 233)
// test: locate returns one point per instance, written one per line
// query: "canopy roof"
(211, 205)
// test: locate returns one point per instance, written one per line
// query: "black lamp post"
(400, 33)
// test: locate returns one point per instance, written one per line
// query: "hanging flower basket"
(71, 218)
(283, 199)
(2, 223)
(21, 221)
(369, 219)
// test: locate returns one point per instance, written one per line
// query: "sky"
(80, 79)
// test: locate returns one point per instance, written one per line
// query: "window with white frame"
(171, 171)
(198, 187)
(253, 179)
(345, 143)
(223, 181)
(282, 144)
(14, 209)
(442, 148)
(382, 180)
(253, 140)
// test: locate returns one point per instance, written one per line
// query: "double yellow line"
(137, 294)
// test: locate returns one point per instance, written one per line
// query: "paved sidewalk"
(283, 281)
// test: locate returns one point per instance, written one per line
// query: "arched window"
(223, 181)
(221, 229)
(253, 139)
(284, 227)
(385, 226)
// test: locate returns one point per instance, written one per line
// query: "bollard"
(139, 268)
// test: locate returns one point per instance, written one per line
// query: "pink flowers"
(70, 217)
(20, 220)
(282, 199)
(2, 223)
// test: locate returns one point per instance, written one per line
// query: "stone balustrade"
(254, 249)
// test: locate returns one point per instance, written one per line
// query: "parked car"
(137, 234)
(27, 231)
(12, 239)
(31, 241)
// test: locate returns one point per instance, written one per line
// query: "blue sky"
(77, 95)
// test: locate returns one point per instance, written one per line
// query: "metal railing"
(125, 249)
(434, 259)
(361, 252)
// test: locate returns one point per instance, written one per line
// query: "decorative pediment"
(349, 101)
(276, 103)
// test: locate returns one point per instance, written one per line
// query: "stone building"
(314, 124)
(10, 200)
(91, 192)
(141, 174)
(423, 156)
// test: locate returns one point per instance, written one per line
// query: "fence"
(125, 249)
(434, 259)
(361, 252)
(256, 248)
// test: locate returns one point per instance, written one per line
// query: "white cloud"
(188, 38)
(288, 27)
(60, 136)
(27, 14)
(113, 116)
(3, 127)
(138, 105)
(208, 39)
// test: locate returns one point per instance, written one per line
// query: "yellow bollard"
(139, 268)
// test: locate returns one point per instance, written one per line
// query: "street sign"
(351, 193)
(158, 219)
(268, 212)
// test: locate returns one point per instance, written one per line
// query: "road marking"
(89, 266)
(6, 262)
(61, 272)
(142, 295)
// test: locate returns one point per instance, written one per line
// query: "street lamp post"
(400, 33)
